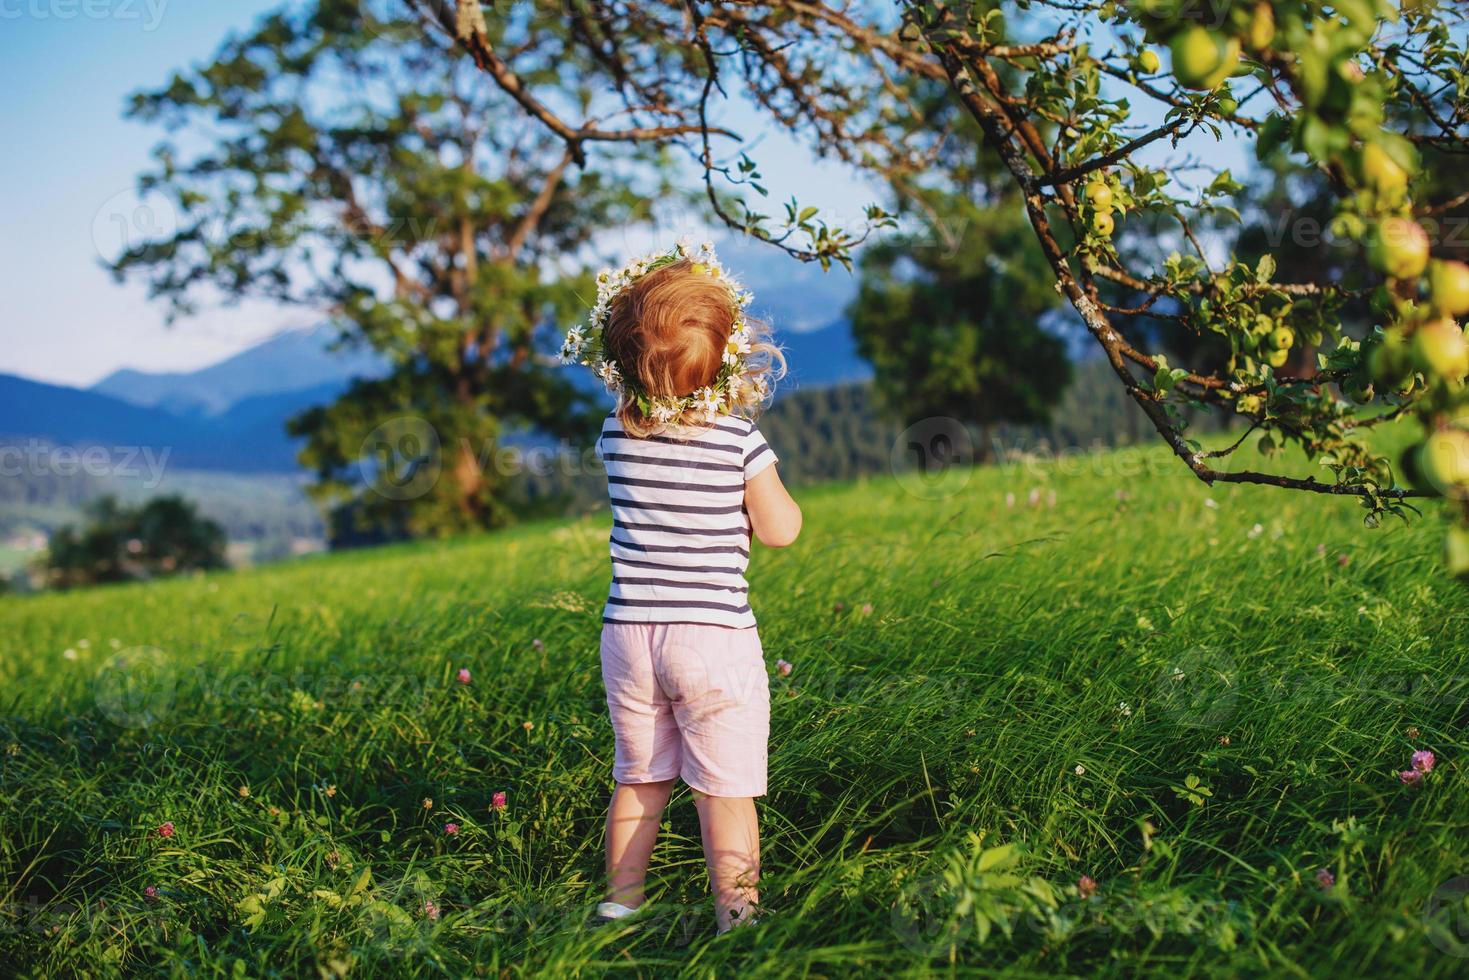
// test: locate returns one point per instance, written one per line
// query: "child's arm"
(774, 516)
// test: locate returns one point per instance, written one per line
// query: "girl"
(689, 477)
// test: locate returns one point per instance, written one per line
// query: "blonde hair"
(668, 332)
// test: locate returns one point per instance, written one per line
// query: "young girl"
(689, 477)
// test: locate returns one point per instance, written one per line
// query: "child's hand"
(774, 516)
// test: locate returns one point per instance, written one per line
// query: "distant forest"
(841, 433)
(821, 434)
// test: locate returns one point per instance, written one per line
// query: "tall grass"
(1199, 699)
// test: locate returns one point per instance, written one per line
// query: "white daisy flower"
(708, 400)
(736, 347)
(610, 376)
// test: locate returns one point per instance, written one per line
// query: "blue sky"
(67, 67)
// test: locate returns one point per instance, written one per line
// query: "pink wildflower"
(1325, 878)
(497, 802)
(151, 893)
(1423, 760)
(452, 829)
(1087, 886)
(165, 829)
(1410, 777)
(784, 667)
(537, 645)
(431, 910)
(464, 676)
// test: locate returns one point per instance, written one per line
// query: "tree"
(952, 328)
(356, 166)
(949, 311)
(1068, 94)
(165, 536)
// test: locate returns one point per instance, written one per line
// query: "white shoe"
(612, 911)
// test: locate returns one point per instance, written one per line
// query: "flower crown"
(735, 382)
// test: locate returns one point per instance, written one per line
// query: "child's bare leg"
(632, 828)
(731, 833)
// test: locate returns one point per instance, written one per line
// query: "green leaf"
(1265, 271)
(996, 858)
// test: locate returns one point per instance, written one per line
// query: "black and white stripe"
(680, 535)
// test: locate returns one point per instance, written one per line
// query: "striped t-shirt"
(680, 533)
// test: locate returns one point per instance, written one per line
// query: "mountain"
(75, 417)
(292, 360)
(230, 416)
(248, 438)
(815, 358)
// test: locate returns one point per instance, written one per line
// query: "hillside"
(250, 437)
(1200, 699)
(291, 361)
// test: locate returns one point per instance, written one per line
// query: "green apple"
(1103, 224)
(1282, 338)
(1264, 324)
(1278, 357)
(1444, 459)
(1249, 404)
(1231, 64)
(1202, 59)
(1381, 172)
(1440, 351)
(1456, 551)
(1388, 361)
(1262, 26)
(1099, 194)
(1148, 62)
(1398, 247)
(1448, 286)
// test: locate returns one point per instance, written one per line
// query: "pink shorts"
(689, 700)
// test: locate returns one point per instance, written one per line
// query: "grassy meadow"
(1077, 718)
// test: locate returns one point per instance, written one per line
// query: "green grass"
(950, 755)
